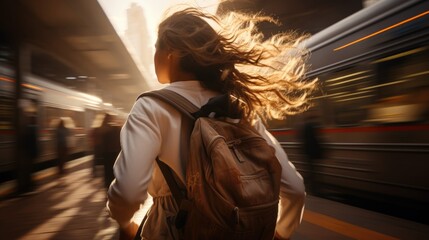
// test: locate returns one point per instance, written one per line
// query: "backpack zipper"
(236, 209)
(240, 140)
(233, 143)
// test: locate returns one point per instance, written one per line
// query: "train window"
(68, 122)
(78, 117)
(346, 96)
(7, 94)
(402, 87)
(289, 123)
(51, 117)
(7, 106)
(98, 120)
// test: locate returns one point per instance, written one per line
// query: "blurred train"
(372, 109)
(48, 101)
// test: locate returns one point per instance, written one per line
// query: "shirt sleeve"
(140, 143)
(292, 190)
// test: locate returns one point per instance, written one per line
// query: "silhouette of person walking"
(31, 152)
(110, 146)
(62, 147)
(312, 148)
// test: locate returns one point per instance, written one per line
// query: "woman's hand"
(277, 237)
(128, 232)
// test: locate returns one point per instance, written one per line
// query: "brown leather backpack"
(232, 178)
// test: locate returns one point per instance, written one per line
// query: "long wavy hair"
(266, 76)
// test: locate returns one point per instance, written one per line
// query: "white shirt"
(153, 128)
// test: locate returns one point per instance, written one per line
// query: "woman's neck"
(181, 76)
(176, 72)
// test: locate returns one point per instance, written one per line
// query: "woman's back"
(262, 80)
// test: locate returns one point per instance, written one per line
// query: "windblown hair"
(266, 76)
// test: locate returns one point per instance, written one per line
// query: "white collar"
(186, 84)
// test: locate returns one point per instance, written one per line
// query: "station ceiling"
(79, 33)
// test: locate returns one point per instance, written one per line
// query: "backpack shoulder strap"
(174, 99)
(186, 108)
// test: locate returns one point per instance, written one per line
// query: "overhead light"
(350, 80)
(354, 98)
(82, 77)
(326, 96)
(7, 79)
(31, 86)
(119, 76)
(91, 98)
(70, 78)
(346, 76)
(385, 84)
(399, 55)
(351, 94)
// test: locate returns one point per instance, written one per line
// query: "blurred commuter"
(62, 134)
(109, 146)
(31, 152)
(200, 63)
(97, 147)
(313, 150)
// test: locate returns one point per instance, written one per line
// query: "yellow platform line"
(344, 228)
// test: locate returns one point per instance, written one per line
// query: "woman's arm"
(292, 190)
(140, 143)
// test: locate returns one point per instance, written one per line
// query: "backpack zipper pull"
(237, 215)
(234, 142)
(237, 154)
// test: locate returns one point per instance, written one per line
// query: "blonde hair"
(265, 75)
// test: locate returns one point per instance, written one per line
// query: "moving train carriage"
(53, 103)
(372, 108)
(48, 102)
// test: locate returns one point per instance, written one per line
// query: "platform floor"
(72, 207)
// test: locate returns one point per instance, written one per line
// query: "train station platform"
(72, 206)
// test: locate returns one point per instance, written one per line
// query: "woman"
(200, 63)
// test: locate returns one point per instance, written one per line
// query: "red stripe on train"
(361, 129)
(7, 132)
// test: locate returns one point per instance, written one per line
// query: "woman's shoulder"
(151, 108)
(146, 105)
